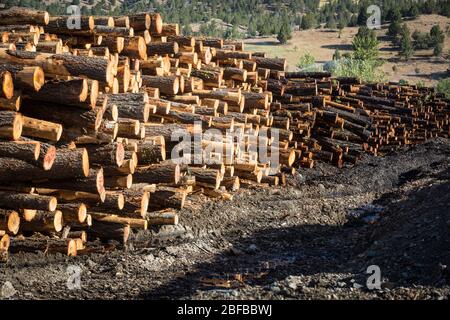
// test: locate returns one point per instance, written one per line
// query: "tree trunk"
(73, 212)
(27, 201)
(41, 129)
(94, 183)
(70, 92)
(150, 153)
(135, 47)
(167, 85)
(46, 245)
(167, 197)
(112, 154)
(68, 116)
(160, 173)
(10, 125)
(63, 64)
(25, 78)
(44, 222)
(21, 16)
(9, 221)
(278, 64)
(139, 21)
(24, 150)
(162, 48)
(136, 202)
(106, 231)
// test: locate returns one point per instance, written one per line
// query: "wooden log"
(150, 153)
(135, 47)
(25, 78)
(159, 173)
(10, 125)
(119, 182)
(136, 202)
(104, 21)
(7, 89)
(166, 85)
(12, 104)
(66, 115)
(93, 183)
(278, 64)
(206, 177)
(29, 201)
(44, 222)
(163, 217)
(139, 21)
(41, 129)
(162, 48)
(112, 154)
(134, 223)
(107, 231)
(70, 92)
(76, 235)
(45, 245)
(73, 212)
(123, 21)
(156, 24)
(63, 64)
(64, 25)
(21, 16)
(9, 221)
(167, 197)
(25, 150)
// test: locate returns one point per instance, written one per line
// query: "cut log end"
(52, 203)
(82, 213)
(120, 201)
(72, 248)
(7, 85)
(120, 154)
(49, 158)
(13, 222)
(58, 220)
(28, 214)
(85, 162)
(5, 242)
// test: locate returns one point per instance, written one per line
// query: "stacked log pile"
(88, 117)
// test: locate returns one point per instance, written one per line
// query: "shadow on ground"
(409, 241)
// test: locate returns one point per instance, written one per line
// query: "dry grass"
(322, 43)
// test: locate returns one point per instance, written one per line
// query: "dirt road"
(312, 240)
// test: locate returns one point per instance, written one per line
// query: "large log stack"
(88, 117)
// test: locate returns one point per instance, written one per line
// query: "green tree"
(394, 28)
(308, 21)
(406, 46)
(285, 33)
(436, 36)
(362, 16)
(307, 60)
(365, 44)
(437, 51)
(337, 55)
(331, 22)
(444, 87)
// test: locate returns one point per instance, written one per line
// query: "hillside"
(322, 43)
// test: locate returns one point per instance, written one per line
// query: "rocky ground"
(314, 239)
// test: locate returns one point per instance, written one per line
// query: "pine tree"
(406, 47)
(285, 32)
(365, 44)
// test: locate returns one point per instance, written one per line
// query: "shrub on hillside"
(366, 70)
(444, 87)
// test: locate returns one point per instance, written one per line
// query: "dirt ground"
(313, 239)
(322, 43)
